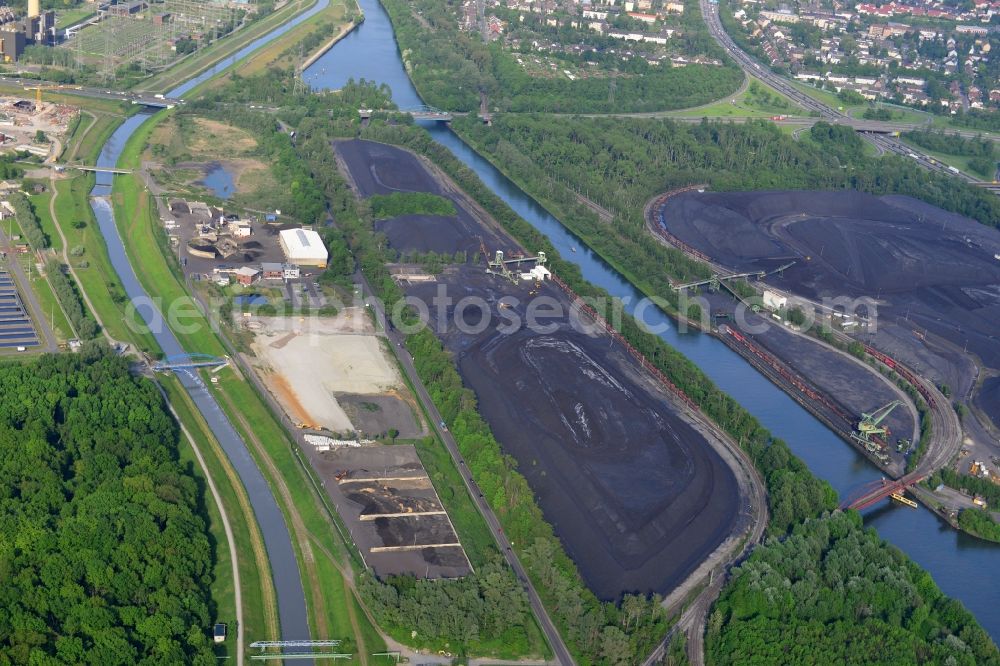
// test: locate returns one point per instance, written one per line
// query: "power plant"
(37, 27)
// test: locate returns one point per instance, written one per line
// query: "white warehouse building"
(303, 247)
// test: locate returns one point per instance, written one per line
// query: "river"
(277, 540)
(965, 568)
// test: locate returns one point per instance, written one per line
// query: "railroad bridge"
(876, 491)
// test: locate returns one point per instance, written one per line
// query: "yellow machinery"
(902, 499)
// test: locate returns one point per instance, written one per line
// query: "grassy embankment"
(39, 283)
(326, 25)
(330, 599)
(225, 48)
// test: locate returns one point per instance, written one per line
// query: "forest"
(451, 68)
(385, 206)
(487, 606)
(621, 163)
(867, 603)
(105, 557)
(69, 299)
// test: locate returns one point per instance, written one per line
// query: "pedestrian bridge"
(418, 113)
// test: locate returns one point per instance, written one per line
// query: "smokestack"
(34, 8)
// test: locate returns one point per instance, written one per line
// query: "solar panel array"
(16, 329)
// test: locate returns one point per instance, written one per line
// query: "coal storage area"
(633, 486)
(934, 274)
(635, 492)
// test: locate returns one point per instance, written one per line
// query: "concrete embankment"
(321, 51)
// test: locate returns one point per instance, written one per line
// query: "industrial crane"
(716, 280)
(870, 425)
(38, 91)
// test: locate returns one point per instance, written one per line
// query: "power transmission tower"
(299, 84)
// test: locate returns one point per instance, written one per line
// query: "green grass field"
(764, 104)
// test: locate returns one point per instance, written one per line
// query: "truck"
(953, 169)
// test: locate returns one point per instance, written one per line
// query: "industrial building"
(303, 247)
(37, 27)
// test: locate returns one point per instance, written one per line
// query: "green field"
(900, 114)
(746, 104)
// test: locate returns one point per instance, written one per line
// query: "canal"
(964, 567)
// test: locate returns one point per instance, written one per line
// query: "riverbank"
(321, 51)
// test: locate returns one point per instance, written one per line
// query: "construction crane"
(38, 91)
(870, 426)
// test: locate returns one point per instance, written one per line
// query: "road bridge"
(418, 113)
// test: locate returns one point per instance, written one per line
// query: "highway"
(882, 142)
(93, 93)
(396, 340)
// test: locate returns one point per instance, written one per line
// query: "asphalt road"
(559, 648)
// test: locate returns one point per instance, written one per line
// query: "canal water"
(964, 567)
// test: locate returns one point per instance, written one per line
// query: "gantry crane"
(870, 426)
(38, 91)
